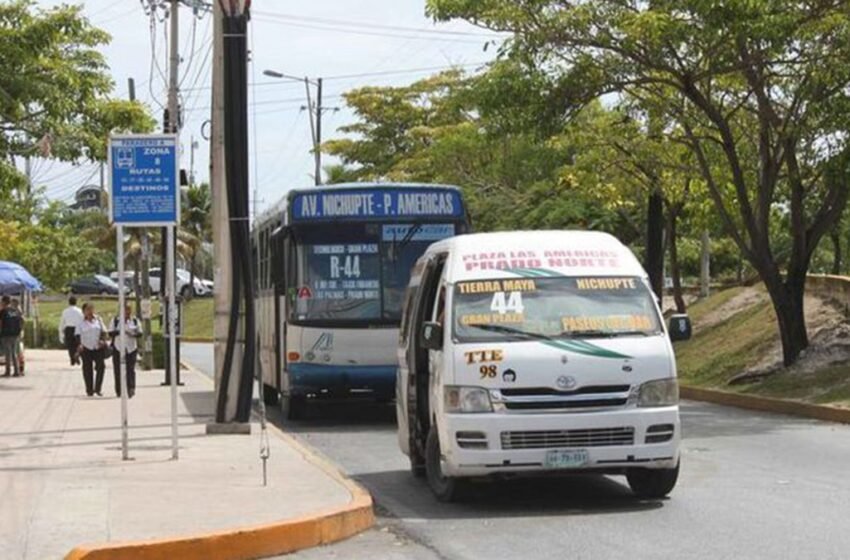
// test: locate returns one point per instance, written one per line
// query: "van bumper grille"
(544, 439)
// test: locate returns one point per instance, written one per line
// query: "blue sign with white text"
(144, 180)
(378, 203)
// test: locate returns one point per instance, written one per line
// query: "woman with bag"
(91, 346)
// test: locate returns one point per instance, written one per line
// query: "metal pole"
(317, 148)
(119, 235)
(166, 285)
(172, 340)
(147, 354)
(174, 126)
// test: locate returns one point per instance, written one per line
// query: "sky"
(350, 43)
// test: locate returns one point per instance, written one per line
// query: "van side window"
(440, 308)
(406, 312)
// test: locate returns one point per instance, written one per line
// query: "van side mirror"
(679, 327)
(431, 336)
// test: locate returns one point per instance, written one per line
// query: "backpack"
(13, 323)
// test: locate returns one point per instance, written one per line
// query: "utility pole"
(227, 356)
(145, 311)
(318, 140)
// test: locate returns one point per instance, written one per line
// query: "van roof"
(536, 253)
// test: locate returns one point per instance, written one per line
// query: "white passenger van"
(536, 352)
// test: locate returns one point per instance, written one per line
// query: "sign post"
(145, 192)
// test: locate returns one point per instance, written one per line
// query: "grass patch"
(717, 353)
(702, 307)
(826, 386)
(197, 320)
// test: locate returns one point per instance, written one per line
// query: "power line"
(371, 25)
(294, 84)
(407, 71)
(370, 33)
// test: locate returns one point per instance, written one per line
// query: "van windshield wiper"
(510, 330)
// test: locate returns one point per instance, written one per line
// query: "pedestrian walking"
(71, 318)
(91, 347)
(132, 332)
(11, 327)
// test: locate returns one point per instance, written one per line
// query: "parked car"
(209, 285)
(183, 278)
(21, 359)
(95, 284)
(128, 278)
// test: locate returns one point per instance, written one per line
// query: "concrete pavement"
(63, 482)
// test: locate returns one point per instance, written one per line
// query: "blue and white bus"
(333, 263)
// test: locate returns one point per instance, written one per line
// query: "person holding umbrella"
(91, 346)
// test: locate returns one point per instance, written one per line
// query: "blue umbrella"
(15, 279)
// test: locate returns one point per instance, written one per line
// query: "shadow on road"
(397, 493)
(520, 497)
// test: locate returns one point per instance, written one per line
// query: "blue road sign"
(144, 179)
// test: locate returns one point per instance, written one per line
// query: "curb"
(766, 404)
(244, 543)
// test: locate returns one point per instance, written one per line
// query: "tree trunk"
(192, 273)
(655, 244)
(835, 236)
(672, 219)
(787, 299)
(705, 265)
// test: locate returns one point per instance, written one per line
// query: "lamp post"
(315, 126)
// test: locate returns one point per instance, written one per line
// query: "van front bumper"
(462, 437)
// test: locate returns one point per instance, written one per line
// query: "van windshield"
(553, 307)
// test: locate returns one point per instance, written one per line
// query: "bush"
(48, 334)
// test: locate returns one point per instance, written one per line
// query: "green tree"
(54, 90)
(760, 85)
(197, 223)
(452, 128)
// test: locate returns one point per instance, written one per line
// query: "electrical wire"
(369, 33)
(370, 25)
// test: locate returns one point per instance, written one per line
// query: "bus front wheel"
(652, 483)
(292, 407)
(445, 488)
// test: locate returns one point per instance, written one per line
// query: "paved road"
(752, 486)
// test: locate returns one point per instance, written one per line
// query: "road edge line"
(766, 404)
(245, 543)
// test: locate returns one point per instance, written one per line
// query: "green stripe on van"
(585, 348)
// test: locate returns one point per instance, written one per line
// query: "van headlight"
(468, 399)
(661, 392)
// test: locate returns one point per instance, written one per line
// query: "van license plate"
(566, 458)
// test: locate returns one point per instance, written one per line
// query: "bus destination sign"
(377, 204)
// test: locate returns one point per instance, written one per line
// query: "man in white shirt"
(71, 318)
(132, 332)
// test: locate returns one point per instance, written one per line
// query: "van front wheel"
(652, 483)
(445, 488)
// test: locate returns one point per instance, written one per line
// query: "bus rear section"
(341, 260)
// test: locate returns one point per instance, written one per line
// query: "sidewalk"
(64, 484)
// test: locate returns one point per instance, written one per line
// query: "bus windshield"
(357, 272)
(553, 307)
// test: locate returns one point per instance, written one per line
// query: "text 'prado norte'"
(556, 258)
(371, 204)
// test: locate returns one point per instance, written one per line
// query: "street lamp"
(315, 127)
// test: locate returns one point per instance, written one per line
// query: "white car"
(183, 278)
